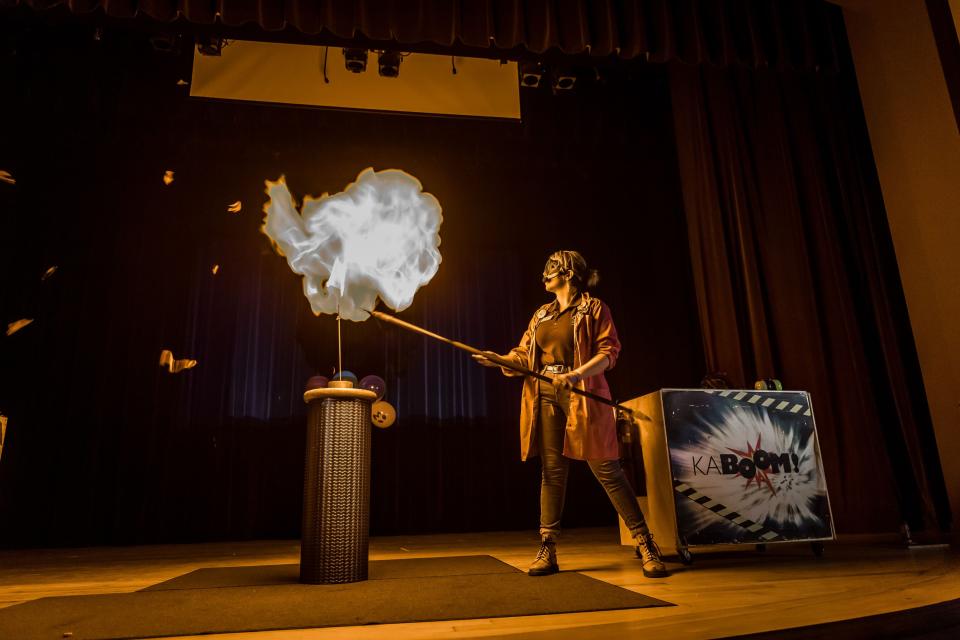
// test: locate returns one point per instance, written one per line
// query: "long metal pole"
(509, 364)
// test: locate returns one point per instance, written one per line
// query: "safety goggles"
(552, 269)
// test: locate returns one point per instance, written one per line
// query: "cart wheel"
(817, 549)
(685, 556)
(761, 547)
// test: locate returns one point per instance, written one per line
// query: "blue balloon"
(345, 375)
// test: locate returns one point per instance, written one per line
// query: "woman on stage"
(573, 340)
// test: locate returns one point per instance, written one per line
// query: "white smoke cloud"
(378, 238)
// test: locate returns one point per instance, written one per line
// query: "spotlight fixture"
(564, 79)
(165, 42)
(355, 60)
(389, 63)
(531, 74)
(210, 46)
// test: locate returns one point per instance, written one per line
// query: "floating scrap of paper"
(167, 177)
(6, 177)
(3, 431)
(49, 272)
(15, 326)
(216, 268)
(182, 83)
(235, 207)
(175, 366)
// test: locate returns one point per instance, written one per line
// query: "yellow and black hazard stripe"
(769, 402)
(763, 533)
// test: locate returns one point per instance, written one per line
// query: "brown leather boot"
(649, 552)
(546, 560)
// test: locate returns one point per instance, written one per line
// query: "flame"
(235, 207)
(379, 237)
(6, 177)
(168, 178)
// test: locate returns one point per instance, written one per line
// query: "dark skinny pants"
(553, 407)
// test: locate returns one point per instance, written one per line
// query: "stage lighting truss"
(389, 63)
(534, 74)
(531, 74)
(355, 60)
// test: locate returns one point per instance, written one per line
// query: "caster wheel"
(817, 548)
(685, 556)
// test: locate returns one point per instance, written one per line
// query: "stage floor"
(721, 594)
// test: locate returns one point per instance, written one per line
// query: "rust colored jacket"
(591, 425)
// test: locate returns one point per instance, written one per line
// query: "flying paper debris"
(175, 366)
(216, 268)
(49, 272)
(15, 326)
(182, 83)
(167, 177)
(6, 177)
(235, 207)
(3, 431)
(379, 237)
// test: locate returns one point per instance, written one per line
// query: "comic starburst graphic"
(777, 498)
(760, 476)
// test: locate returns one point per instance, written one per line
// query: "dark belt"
(556, 368)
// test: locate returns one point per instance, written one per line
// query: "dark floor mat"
(290, 573)
(412, 590)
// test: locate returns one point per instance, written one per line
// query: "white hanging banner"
(294, 74)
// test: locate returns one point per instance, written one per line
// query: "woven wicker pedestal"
(336, 486)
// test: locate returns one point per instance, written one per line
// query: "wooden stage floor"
(721, 594)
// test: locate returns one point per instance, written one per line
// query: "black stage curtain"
(106, 447)
(796, 277)
(775, 33)
(792, 269)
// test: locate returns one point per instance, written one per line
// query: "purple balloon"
(317, 382)
(375, 384)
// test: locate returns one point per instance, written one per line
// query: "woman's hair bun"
(592, 279)
(573, 261)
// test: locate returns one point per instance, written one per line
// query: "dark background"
(718, 172)
(104, 446)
